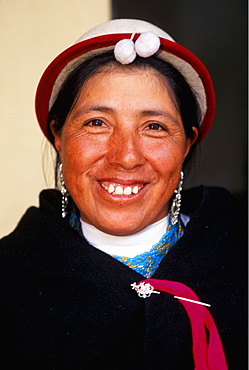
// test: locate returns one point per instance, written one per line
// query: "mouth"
(121, 189)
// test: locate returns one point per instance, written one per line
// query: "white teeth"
(135, 190)
(111, 188)
(119, 190)
(127, 191)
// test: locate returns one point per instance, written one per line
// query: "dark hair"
(182, 95)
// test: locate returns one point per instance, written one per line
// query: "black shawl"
(66, 305)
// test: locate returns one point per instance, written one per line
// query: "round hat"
(107, 36)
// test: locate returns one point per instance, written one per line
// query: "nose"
(124, 151)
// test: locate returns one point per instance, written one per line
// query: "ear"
(191, 140)
(57, 137)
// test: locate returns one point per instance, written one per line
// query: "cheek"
(166, 159)
(76, 150)
(79, 158)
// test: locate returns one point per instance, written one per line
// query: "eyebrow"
(158, 113)
(95, 108)
(143, 113)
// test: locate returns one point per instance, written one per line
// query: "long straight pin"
(192, 301)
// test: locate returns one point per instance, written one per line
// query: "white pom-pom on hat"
(124, 51)
(147, 44)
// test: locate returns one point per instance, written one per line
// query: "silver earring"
(64, 193)
(176, 203)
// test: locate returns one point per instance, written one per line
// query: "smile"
(117, 189)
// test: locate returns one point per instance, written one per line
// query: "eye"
(155, 127)
(95, 123)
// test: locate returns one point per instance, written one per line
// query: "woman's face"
(122, 148)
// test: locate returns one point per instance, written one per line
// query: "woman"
(124, 109)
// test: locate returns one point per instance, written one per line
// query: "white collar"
(128, 246)
(131, 245)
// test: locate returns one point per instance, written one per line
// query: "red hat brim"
(100, 44)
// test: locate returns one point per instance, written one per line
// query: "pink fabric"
(208, 355)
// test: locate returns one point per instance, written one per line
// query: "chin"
(120, 230)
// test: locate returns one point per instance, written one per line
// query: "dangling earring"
(176, 203)
(64, 193)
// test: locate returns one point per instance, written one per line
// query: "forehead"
(126, 92)
(126, 83)
(144, 73)
(129, 69)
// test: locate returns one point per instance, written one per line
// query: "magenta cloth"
(208, 354)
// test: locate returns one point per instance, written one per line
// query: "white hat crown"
(120, 25)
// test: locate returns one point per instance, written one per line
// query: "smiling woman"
(123, 139)
(124, 108)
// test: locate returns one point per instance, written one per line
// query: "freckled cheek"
(167, 164)
(160, 157)
(79, 158)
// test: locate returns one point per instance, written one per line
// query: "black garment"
(66, 305)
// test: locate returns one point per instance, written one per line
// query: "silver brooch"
(143, 289)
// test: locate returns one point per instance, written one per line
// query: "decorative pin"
(192, 301)
(144, 290)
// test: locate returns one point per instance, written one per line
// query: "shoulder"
(41, 240)
(217, 217)
(49, 206)
(210, 200)
(33, 230)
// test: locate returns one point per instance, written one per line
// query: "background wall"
(32, 33)
(216, 31)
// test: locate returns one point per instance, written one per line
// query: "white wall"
(32, 33)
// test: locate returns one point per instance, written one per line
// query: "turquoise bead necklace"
(147, 263)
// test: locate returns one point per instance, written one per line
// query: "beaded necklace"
(146, 263)
(74, 222)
